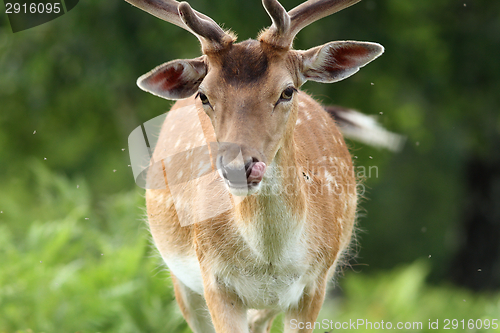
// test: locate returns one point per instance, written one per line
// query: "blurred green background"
(75, 254)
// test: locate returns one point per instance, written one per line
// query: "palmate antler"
(212, 37)
(281, 33)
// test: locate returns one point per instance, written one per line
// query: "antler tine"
(287, 25)
(313, 10)
(209, 33)
(281, 19)
(205, 28)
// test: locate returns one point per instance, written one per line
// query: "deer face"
(249, 92)
(249, 89)
(249, 95)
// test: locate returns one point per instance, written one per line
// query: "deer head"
(249, 89)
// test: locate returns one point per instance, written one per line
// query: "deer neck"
(272, 221)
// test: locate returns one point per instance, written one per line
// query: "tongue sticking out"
(256, 172)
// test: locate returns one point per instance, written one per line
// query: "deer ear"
(336, 61)
(176, 79)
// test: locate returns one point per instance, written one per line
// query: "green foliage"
(69, 267)
(403, 296)
(73, 82)
(68, 101)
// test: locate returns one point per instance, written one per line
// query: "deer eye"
(287, 94)
(203, 98)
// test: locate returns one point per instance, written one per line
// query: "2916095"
(470, 324)
(32, 8)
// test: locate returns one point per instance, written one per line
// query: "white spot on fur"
(178, 142)
(203, 167)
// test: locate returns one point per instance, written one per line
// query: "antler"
(286, 25)
(210, 34)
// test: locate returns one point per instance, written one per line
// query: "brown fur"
(243, 63)
(314, 147)
(271, 252)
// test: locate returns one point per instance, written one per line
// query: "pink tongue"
(257, 172)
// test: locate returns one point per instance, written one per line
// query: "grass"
(79, 268)
(402, 296)
(70, 265)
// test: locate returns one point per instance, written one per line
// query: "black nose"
(237, 174)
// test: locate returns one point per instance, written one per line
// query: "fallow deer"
(268, 251)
